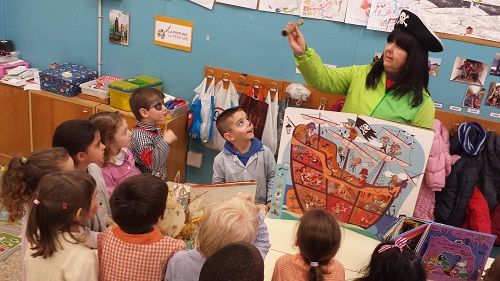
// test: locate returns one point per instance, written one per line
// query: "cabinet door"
(14, 123)
(48, 112)
(177, 158)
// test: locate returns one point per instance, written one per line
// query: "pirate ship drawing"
(347, 168)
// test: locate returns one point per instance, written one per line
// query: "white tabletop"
(354, 252)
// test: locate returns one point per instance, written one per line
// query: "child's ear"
(228, 136)
(143, 112)
(79, 216)
(80, 156)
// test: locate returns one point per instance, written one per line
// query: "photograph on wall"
(469, 71)
(495, 66)
(493, 98)
(290, 7)
(385, 13)
(434, 65)
(363, 170)
(119, 27)
(333, 10)
(473, 97)
(358, 11)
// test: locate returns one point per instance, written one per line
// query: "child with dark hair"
(135, 249)
(318, 238)
(244, 157)
(394, 261)
(20, 182)
(82, 140)
(64, 201)
(239, 261)
(150, 145)
(119, 162)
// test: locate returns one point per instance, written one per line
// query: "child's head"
(82, 140)
(114, 132)
(237, 261)
(138, 203)
(318, 238)
(393, 261)
(63, 201)
(233, 220)
(20, 181)
(147, 105)
(233, 125)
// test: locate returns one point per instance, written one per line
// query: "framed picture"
(119, 27)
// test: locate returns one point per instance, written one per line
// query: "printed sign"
(173, 33)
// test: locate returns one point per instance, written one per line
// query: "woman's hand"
(296, 39)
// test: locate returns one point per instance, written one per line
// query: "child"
(135, 249)
(394, 261)
(318, 238)
(244, 157)
(118, 159)
(19, 184)
(238, 261)
(63, 202)
(150, 145)
(82, 140)
(236, 219)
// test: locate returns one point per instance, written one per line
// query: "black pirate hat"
(412, 24)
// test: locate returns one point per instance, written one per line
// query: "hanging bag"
(201, 110)
(224, 99)
(269, 136)
(256, 108)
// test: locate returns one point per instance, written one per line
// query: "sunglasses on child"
(158, 106)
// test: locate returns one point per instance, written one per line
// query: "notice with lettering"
(173, 33)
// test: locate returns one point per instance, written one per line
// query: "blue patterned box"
(67, 84)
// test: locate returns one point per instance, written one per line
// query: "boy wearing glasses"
(150, 145)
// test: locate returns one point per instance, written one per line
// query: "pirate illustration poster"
(365, 171)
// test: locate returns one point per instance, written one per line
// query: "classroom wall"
(226, 37)
(2, 19)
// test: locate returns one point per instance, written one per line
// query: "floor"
(11, 267)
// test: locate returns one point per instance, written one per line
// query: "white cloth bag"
(224, 99)
(206, 96)
(270, 133)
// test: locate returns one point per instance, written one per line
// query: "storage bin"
(89, 88)
(172, 113)
(119, 94)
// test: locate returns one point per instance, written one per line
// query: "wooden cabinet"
(14, 123)
(49, 110)
(176, 160)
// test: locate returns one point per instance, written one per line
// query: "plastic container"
(89, 88)
(119, 94)
(177, 111)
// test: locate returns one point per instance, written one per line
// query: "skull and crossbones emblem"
(402, 19)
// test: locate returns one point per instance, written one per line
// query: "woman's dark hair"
(74, 135)
(414, 77)
(318, 238)
(60, 196)
(393, 264)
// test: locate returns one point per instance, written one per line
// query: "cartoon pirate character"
(311, 127)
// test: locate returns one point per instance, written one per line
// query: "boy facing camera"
(244, 157)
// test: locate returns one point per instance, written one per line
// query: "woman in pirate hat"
(392, 88)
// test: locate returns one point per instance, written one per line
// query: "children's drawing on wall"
(385, 13)
(463, 17)
(209, 4)
(251, 4)
(358, 12)
(473, 97)
(376, 56)
(364, 170)
(469, 71)
(493, 98)
(119, 27)
(290, 7)
(434, 65)
(495, 66)
(333, 10)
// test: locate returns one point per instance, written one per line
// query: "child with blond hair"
(234, 220)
